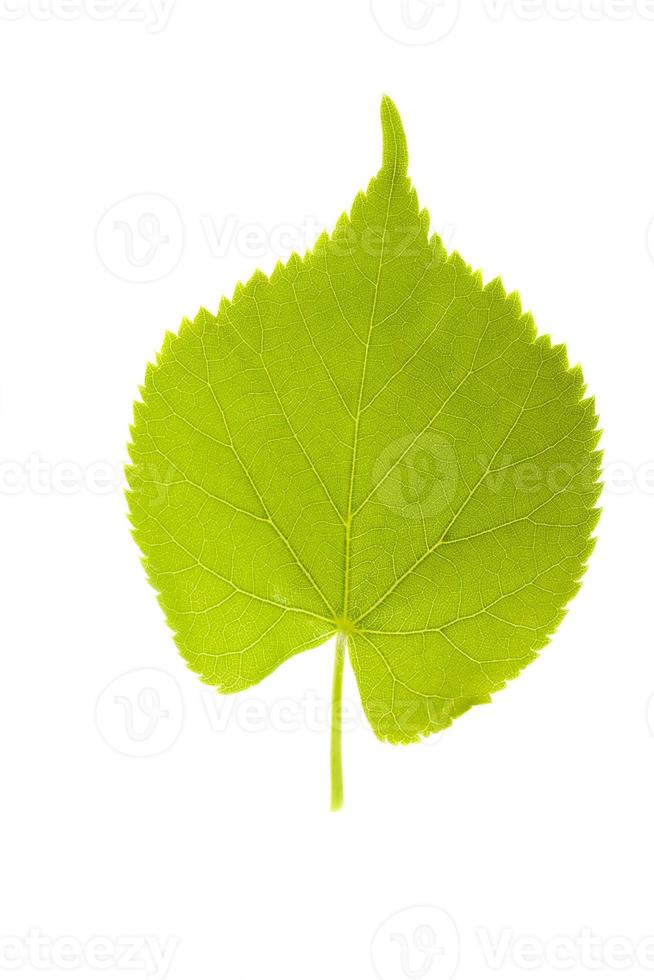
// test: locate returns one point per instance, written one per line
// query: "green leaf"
(369, 443)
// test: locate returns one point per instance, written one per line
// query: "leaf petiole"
(337, 711)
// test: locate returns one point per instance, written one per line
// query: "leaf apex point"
(395, 156)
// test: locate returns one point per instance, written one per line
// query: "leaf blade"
(345, 447)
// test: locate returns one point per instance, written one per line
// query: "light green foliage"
(369, 442)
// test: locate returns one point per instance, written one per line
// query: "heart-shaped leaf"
(369, 444)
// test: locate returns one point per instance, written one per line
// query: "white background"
(531, 142)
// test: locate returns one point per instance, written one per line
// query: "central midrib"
(355, 438)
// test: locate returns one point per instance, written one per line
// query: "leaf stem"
(337, 712)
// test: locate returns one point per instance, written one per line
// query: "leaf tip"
(395, 156)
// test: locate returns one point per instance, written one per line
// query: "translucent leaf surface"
(369, 443)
